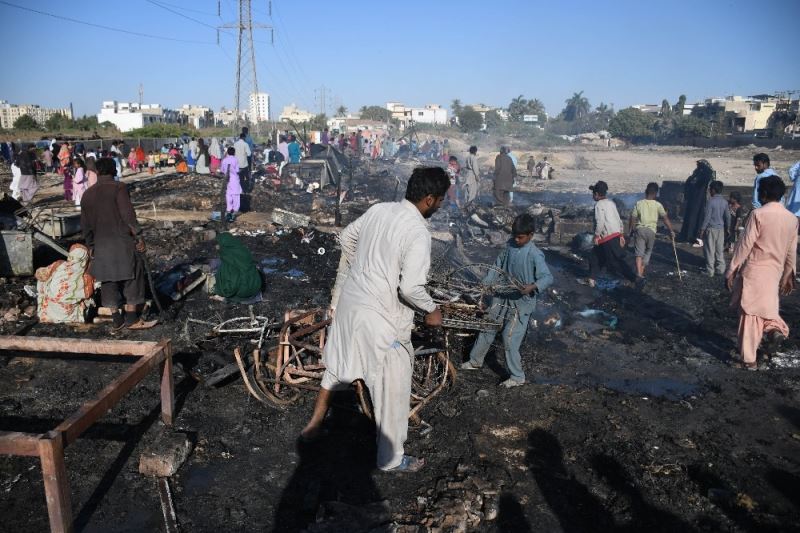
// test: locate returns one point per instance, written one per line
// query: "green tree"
(161, 130)
(577, 107)
(375, 112)
(456, 107)
(631, 123)
(469, 119)
(680, 106)
(517, 108)
(86, 123)
(601, 116)
(341, 111)
(666, 109)
(493, 119)
(57, 122)
(319, 122)
(691, 127)
(520, 106)
(26, 122)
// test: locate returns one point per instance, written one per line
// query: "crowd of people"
(382, 275)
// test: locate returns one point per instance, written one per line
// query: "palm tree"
(456, 107)
(517, 107)
(577, 107)
(341, 111)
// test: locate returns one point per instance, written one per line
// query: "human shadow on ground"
(645, 517)
(336, 468)
(511, 515)
(723, 495)
(576, 508)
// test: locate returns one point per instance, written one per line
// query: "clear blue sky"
(418, 52)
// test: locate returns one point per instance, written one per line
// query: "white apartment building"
(430, 114)
(295, 114)
(226, 117)
(197, 115)
(127, 116)
(259, 107)
(9, 113)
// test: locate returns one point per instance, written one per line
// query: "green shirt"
(647, 213)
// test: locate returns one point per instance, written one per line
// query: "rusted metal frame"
(49, 447)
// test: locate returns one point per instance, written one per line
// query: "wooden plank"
(76, 346)
(17, 443)
(89, 412)
(167, 385)
(56, 483)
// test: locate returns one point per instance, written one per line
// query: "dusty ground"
(629, 170)
(638, 427)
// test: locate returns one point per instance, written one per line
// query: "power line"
(190, 9)
(290, 47)
(101, 26)
(157, 4)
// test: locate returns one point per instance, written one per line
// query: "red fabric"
(610, 237)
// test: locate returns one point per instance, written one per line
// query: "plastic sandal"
(408, 464)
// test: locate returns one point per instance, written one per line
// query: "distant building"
(295, 114)
(751, 113)
(9, 113)
(651, 109)
(127, 116)
(430, 114)
(226, 117)
(351, 124)
(197, 115)
(259, 107)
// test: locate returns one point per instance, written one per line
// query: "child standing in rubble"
(525, 263)
(230, 169)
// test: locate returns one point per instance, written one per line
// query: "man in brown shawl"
(504, 174)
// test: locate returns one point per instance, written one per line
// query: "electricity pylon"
(245, 59)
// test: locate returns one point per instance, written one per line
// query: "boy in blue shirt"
(525, 263)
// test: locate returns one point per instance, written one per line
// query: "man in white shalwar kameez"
(380, 283)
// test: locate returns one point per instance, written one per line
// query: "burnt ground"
(640, 426)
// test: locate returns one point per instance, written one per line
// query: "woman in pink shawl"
(79, 180)
(133, 161)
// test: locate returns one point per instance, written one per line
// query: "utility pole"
(320, 96)
(141, 95)
(246, 78)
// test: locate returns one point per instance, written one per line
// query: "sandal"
(141, 324)
(408, 464)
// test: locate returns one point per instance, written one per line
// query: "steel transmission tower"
(246, 78)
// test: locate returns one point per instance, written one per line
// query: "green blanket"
(238, 276)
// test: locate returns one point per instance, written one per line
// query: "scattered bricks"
(209, 235)
(166, 455)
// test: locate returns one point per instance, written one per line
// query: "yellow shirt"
(647, 213)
